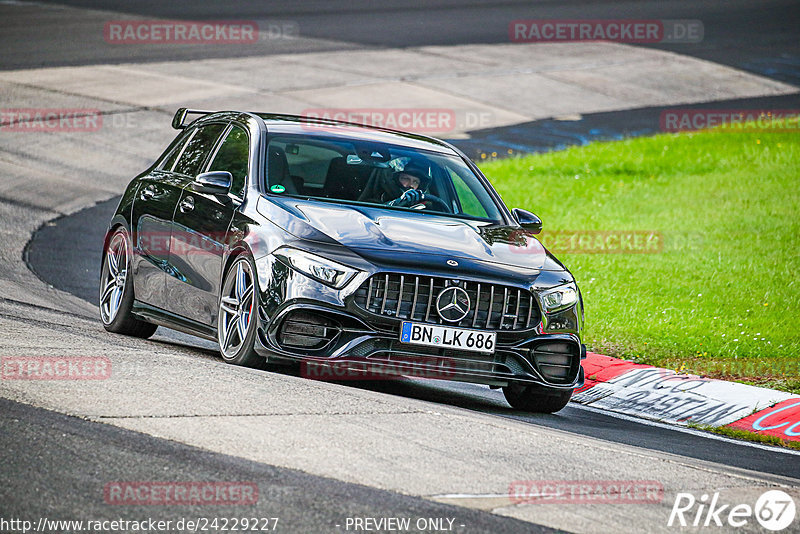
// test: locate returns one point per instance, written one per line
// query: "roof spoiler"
(179, 120)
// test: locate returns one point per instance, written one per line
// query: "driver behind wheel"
(405, 187)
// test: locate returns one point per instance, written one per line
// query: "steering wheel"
(436, 201)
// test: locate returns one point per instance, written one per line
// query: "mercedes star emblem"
(452, 304)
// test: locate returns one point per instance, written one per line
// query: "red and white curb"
(664, 395)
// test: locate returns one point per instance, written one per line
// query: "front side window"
(169, 161)
(197, 149)
(395, 177)
(233, 156)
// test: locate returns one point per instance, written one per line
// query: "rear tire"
(116, 289)
(236, 315)
(538, 399)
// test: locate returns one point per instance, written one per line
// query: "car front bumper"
(303, 320)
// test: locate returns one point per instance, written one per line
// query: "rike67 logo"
(774, 510)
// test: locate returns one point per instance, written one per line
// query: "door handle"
(148, 192)
(187, 204)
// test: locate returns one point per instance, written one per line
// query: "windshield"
(363, 172)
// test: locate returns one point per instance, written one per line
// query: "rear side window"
(197, 149)
(233, 156)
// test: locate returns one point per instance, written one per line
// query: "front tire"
(537, 399)
(236, 319)
(116, 289)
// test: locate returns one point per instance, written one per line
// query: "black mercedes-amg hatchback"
(346, 247)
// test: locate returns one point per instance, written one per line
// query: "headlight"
(322, 269)
(559, 298)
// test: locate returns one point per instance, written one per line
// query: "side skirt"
(167, 319)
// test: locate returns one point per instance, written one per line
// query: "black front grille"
(405, 296)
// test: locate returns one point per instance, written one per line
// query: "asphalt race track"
(320, 453)
(305, 502)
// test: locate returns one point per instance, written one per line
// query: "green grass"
(722, 298)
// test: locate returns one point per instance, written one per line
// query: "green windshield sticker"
(277, 188)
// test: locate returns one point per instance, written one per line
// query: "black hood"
(382, 233)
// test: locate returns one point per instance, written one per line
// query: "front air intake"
(307, 330)
(557, 361)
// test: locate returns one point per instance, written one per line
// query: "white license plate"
(447, 337)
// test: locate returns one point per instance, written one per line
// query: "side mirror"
(215, 183)
(528, 220)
